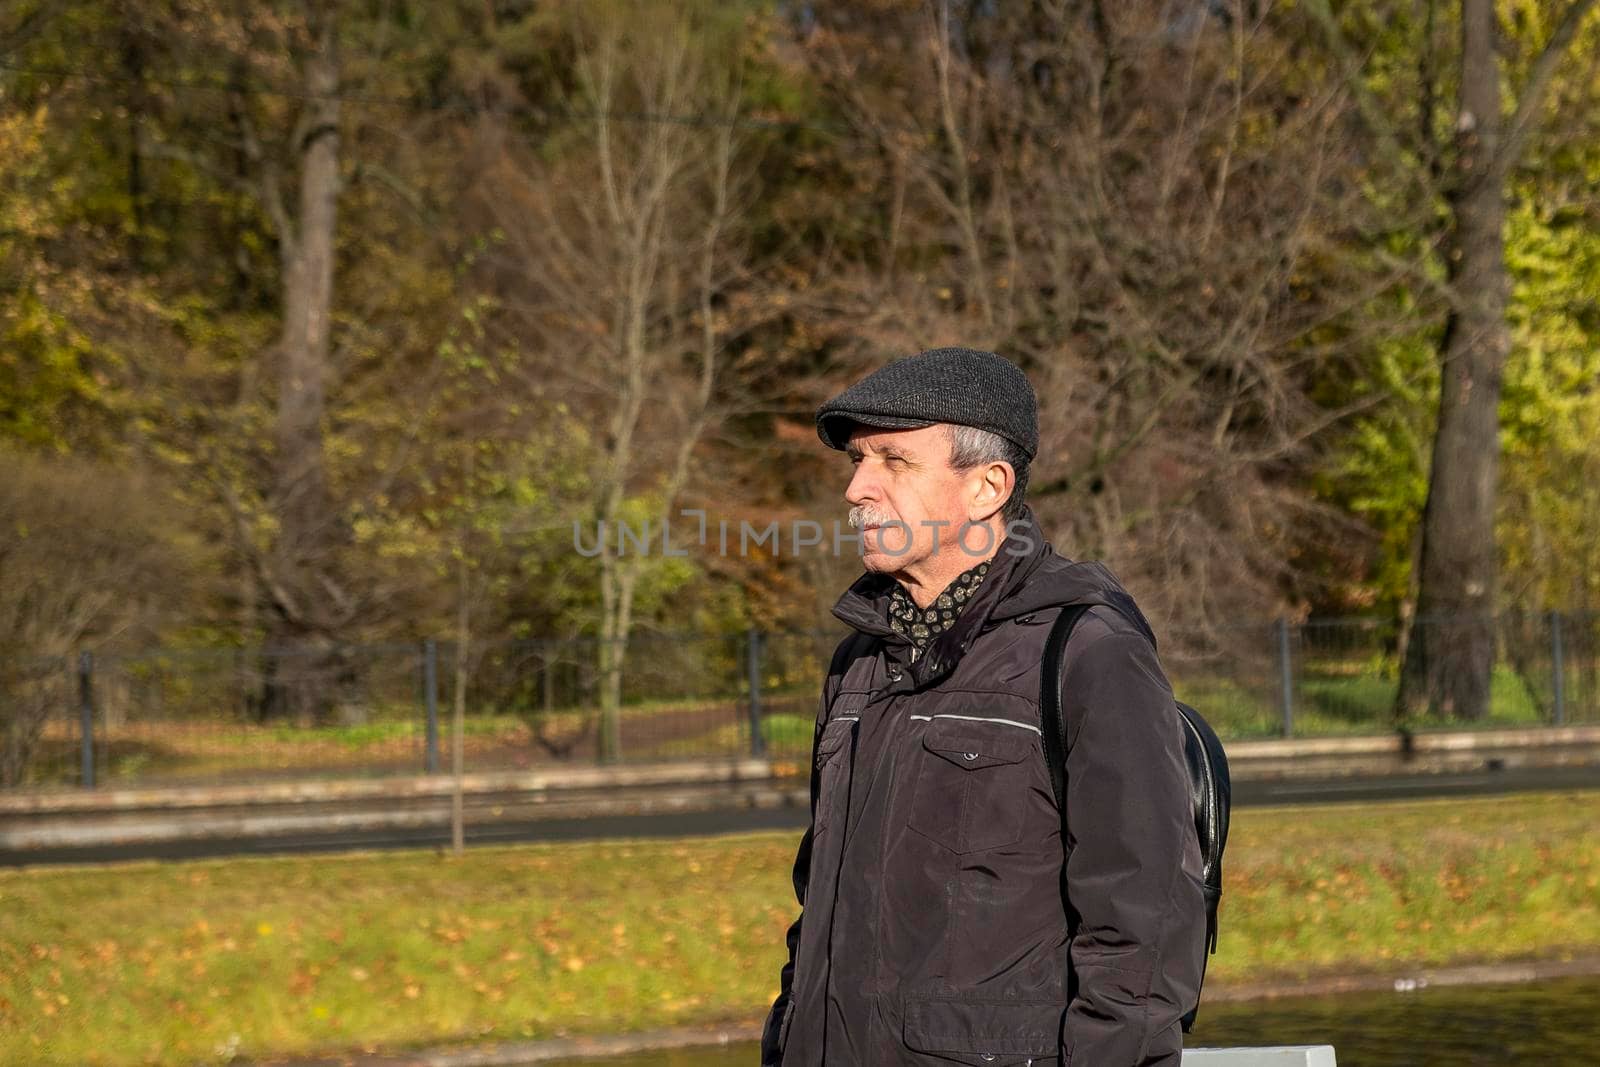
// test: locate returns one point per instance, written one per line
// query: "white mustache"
(867, 515)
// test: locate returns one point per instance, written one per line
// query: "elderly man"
(945, 921)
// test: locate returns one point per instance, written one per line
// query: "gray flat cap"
(955, 385)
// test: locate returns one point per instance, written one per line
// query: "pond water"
(1555, 1022)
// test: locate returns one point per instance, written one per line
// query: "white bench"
(1286, 1056)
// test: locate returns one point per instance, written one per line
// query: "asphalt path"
(792, 818)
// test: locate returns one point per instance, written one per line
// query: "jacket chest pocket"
(972, 785)
(833, 770)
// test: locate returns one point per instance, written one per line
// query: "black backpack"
(1208, 776)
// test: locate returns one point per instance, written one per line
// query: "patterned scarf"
(922, 625)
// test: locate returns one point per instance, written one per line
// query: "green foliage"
(51, 391)
(1550, 409)
(1379, 470)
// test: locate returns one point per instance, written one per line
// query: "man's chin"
(878, 562)
(881, 562)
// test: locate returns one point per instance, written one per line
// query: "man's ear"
(995, 484)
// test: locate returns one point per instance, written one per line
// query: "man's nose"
(863, 487)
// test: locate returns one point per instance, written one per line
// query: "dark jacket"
(933, 929)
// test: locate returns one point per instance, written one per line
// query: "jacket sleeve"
(771, 1046)
(1133, 868)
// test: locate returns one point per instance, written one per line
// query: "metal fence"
(215, 717)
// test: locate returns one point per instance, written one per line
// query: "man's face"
(904, 476)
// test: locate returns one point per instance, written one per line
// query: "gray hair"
(971, 447)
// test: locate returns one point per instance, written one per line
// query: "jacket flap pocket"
(972, 745)
(847, 705)
(834, 735)
(991, 1027)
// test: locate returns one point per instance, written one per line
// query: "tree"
(293, 418)
(306, 598)
(1451, 654)
(624, 279)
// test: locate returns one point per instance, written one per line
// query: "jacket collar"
(865, 605)
(1027, 576)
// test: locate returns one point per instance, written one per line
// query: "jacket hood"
(1027, 576)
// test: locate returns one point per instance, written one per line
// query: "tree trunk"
(616, 621)
(306, 524)
(1450, 658)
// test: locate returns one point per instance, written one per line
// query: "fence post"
(1558, 668)
(1286, 677)
(758, 744)
(86, 714)
(430, 697)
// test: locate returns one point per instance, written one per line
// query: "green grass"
(1363, 887)
(137, 752)
(180, 963)
(784, 734)
(1330, 703)
(1333, 697)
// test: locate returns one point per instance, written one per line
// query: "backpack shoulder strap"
(1053, 726)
